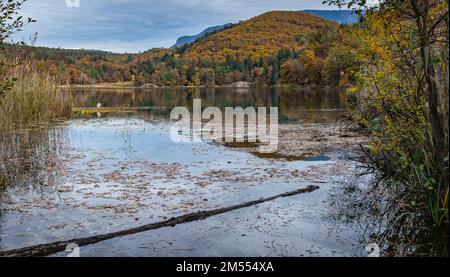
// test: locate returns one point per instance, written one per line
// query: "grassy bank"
(34, 97)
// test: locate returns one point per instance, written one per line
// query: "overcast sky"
(138, 25)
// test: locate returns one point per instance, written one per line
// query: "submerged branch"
(55, 247)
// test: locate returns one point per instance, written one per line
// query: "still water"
(107, 171)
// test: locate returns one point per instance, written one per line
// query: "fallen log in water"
(55, 247)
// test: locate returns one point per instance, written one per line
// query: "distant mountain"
(264, 49)
(189, 39)
(259, 37)
(340, 16)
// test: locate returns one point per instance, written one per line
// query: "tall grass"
(34, 99)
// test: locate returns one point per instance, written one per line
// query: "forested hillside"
(71, 66)
(275, 48)
(261, 36)
(340, 16)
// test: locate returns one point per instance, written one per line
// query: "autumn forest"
(276, 48)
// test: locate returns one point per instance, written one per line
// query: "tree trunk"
(430, 87)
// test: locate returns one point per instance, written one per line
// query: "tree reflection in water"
(30, 158)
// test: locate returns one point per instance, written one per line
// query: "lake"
(116, 168)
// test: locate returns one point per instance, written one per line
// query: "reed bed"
(34, 99)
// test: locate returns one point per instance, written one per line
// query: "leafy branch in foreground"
(10, 23)
(10, 20)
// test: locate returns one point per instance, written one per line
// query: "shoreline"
(191, 87)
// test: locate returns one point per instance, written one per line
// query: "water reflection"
(29, 161)
(295, 105)
(98, 175)
(27, 156)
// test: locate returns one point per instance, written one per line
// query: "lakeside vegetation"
(401, 87)
(29, 94)
(33, 99)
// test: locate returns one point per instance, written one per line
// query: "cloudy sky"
(138, 25)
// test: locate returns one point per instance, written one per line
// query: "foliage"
(10, 22)
(253, 50)
(28, 93)
(34, 98)
(261, 36)
(402, 92)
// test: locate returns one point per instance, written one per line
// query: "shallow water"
(100, 173)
